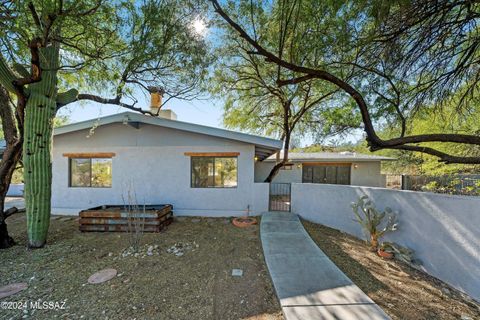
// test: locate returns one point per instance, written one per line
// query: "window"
(214, 172)
(330, 174)
(91, 172)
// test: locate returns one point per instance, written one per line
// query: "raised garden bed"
(115, 218)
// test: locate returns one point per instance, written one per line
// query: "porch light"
(355, 166)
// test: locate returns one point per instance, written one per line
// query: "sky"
(206, 112)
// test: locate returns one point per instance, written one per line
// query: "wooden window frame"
(90, 186)
(203, 155)
(89, 155)
(329, 164)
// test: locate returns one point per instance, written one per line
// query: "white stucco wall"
(152, 160)
(365, 174)
(442, 229)
(262, 170)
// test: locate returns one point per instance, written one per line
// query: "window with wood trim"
(90, 172)
(329, 174)
(213, 172)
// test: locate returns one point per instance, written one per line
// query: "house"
(130, 157)
(200, 170)
(348, 168)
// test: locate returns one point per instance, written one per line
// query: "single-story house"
(200, 170)
(349, 168)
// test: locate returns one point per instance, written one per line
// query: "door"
(326, 173)
(279, 197)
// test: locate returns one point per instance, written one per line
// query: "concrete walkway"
(308, 284)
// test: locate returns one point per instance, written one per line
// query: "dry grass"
(197, 285)
(401, 291)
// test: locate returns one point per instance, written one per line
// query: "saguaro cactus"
(40, 112)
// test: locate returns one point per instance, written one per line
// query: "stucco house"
(200, 170)
(348, 168)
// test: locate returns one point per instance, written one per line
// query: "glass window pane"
(319, 174)
(226, 172)
(343, 175)
(80, 172)
(307, 174)
(202, 172)
(331, 175)
(102, 173)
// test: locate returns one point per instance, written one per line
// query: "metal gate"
(280, 197)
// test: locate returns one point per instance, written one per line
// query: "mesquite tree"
(399, 57)
(104, 47)
(13, 135)
(255, 102)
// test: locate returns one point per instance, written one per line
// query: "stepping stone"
(102, 276)
(237, 272)
(11, 289)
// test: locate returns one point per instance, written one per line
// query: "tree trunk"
(10, 158)
(39, 114)
(288, 132)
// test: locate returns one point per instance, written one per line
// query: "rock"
(465, 317)
(102, 276)
(237, 272)
(12, 289)
(195, 220)
(446, 291)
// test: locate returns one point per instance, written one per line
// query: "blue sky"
(205, 112)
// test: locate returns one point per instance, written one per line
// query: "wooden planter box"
(112, 218)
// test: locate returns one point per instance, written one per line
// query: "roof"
(264, 147)
(329, 156)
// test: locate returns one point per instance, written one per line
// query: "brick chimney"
(156, 95)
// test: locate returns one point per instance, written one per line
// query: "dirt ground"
(195, 285)
(401, 291)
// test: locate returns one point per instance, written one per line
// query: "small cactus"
(371, 220)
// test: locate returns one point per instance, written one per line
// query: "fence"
(441, 229)
(460, 184)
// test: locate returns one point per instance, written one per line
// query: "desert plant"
(135, 219)
(371, 220)
(401, 253)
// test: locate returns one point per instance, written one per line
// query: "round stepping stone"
(102, 276)
(11, 289)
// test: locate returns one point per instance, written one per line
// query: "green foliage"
(254, 101)
(401, 253)
(107, 47)
(371, 220)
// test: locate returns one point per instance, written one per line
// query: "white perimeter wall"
(152, 160)
(366, 173)
(443, 230)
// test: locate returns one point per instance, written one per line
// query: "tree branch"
(373, 140)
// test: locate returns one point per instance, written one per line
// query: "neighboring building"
(326, 167)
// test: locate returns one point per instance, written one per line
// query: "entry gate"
(280, 197)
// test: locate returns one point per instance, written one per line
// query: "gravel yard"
(400, 290)
(181, 273)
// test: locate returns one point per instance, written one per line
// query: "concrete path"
(308, 284)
